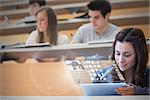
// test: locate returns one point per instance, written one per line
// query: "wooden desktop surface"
(37, 79)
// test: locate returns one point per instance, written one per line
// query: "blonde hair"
(51, 27)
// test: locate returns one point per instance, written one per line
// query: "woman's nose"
(121, 59)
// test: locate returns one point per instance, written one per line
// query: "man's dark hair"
(40, 2)
(100, 5)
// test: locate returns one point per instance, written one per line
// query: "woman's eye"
(117, 53)
(127, 55)
(42, 19)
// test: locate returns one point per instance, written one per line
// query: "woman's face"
(42, 21)
(125, 56)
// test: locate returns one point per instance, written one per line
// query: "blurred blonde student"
(47, 30)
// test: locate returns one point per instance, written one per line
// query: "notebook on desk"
(100, 89)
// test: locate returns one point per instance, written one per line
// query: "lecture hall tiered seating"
(124, 14)
(26, 79)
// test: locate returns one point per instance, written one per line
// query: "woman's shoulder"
(32, 37)
(34, 32)
(62, 39)
(147, 72)
(147, 77)
(62, 36)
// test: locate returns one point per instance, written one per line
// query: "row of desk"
(63, 7)
(67, 50)
(122, 20)
(49, 78)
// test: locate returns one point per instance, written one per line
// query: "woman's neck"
(129, 75)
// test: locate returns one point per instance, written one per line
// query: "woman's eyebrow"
(124, 52)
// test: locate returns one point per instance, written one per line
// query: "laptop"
(100, 89)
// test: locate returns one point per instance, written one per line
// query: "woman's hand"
(126, 90)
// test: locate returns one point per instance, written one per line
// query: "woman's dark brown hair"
(136, 37)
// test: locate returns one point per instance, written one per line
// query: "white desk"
(72, 50)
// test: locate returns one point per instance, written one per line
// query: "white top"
(86, 33)
(62, 39)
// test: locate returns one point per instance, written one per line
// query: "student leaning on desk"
(130, 54)
(34, 5)
(47, 31)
